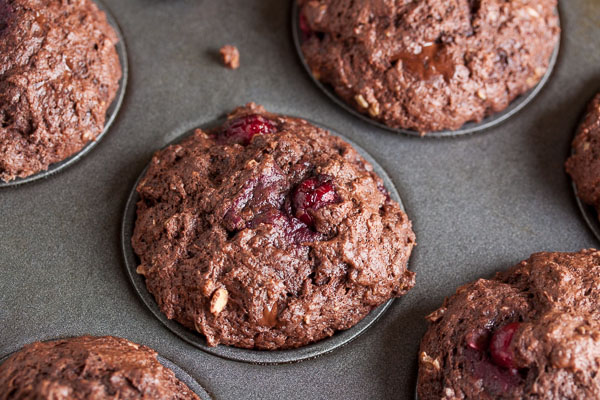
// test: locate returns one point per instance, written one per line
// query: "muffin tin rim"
(111, 112)
(466, 129)
(589, 213)
(260, 357)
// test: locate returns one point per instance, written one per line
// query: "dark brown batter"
(532, 332)
(89, 368)
(59, 72)
(428, 65)
(584, 163)
(268, 233)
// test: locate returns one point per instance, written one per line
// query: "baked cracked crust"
(59, 73)
(89, 368)
(429, 65)
(584, 163)
(272, 240)
(532, 332)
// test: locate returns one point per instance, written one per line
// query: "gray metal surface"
(111, 113)
(478, 203)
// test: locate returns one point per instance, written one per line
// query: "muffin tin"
(184, 377)
(466, 129)
(589, 214)
(478, 203)
(111, 113)
(229, 352)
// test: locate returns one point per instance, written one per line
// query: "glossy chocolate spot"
(432, 61)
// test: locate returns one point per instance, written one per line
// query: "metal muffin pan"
(589, 214)
(467, 129)
(111, 113)
(478, 203)
(183, 376)
(313, 350)
(179, 373)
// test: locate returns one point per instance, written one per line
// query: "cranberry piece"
(496, 380)
(6, 13)
(304, 28)
(500, 345)
(383, 190)
(312, 194)
(242, 130)
(294, 230)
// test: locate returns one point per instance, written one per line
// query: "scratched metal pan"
(310, 351)
(111, 113)
(180, 373)
(466, 129)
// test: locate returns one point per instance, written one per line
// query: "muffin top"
(268, 232)
(59, 72)
(429, 65)
(532, 332)
(90, 368)
(584, 163)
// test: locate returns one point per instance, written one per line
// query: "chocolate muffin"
(429, 65)
(268, 233)
(584, 163)
(89, 368)
(532, 332)
(59, 72)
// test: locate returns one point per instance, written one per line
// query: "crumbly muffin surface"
(89, 368)
(584, 163)
(429, 65)
(59, 73)
(532, 332)
(268, 240)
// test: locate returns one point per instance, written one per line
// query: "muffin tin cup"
(590, 215)
(111, 113)
(181, 374)
(186, 378)
(468, 128)
(313, 350)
